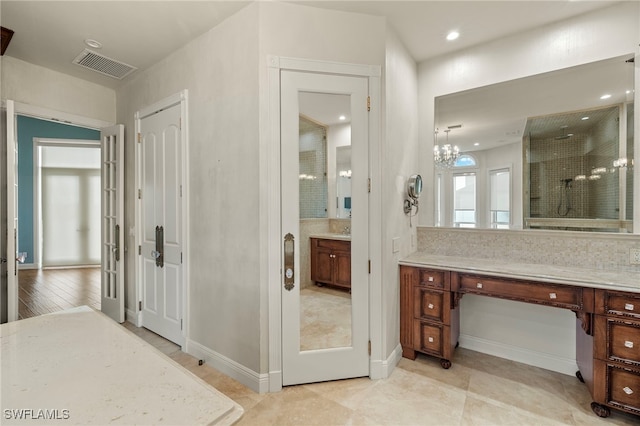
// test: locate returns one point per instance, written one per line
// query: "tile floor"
(478, 390)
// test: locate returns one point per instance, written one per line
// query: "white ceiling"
(141, 33)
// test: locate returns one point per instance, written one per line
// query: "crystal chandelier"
(445, 156)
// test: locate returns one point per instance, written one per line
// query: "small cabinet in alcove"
(331, 262)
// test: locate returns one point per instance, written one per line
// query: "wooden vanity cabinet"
(429, 322)
(331, 262)
(616, 352)
(607, 326)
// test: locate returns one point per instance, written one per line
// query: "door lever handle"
(158, 253)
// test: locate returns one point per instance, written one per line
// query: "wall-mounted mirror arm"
(414, 188)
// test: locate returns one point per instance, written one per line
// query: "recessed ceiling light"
(607, 96)
(476, 144)
(342, 118)
(93, 43)
(628, 91)
(585, 118)
(453, 35)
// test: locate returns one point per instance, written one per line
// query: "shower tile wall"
(561, 248)
(553, 161)
(313, 169)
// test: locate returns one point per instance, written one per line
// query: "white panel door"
(12, 214)
(308, 353)
(112, 182)
(161, 223)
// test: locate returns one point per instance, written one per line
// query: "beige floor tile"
(522, 394)
(296, 407)
(478, 390)
(485, 412)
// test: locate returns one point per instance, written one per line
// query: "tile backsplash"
(560, 248)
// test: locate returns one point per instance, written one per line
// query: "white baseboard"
(383, 368)
(526, 356)
(253, 380)
(25, 266)
(131, 316)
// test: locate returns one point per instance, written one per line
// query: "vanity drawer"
(332, 244)
(623, 387)
(622, 339)
(618, 303)
(533, 292)
(429, 337)
(433, 278)
(430, 304)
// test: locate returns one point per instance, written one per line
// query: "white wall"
(38, 86)
(399, 161)
(603, 34)
(220, 71)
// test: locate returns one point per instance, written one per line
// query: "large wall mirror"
(549, 151)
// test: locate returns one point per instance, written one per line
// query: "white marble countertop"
(84, 368)
(332, 236)
(613, 280)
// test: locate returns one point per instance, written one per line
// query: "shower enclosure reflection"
(574, 177)
(325, 212)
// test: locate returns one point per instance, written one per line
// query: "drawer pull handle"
(628, 344)
(430, 306)
(479, 285)
(628, 306)
(553, 296)
(430, 279)
(430, 339)
(627, 390)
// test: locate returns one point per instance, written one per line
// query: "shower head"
(564, 134)
(567, 182)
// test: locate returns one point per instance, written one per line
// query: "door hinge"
(140, 305)
(139, 137)
(369, 185)
(368, 103)
(180, 127)
(369, 266)
(180, 323)
(181, 258)
(180, 190)
(139, 250)
(369, 348)
(139, 194)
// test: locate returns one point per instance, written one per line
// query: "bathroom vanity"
(331, 260)
(607, 308)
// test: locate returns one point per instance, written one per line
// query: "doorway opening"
(59, 208)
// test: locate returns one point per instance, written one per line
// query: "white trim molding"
(253, 380)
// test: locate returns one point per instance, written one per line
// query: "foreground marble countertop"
(613, 280)
(85, 368)
(332, 236)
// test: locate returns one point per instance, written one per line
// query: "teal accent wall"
(29, 128)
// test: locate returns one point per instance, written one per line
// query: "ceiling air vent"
(103, 65)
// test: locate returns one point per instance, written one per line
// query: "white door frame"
(274, 252)
(182, 99)
(49, 115)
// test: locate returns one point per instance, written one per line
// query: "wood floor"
(51, 290)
